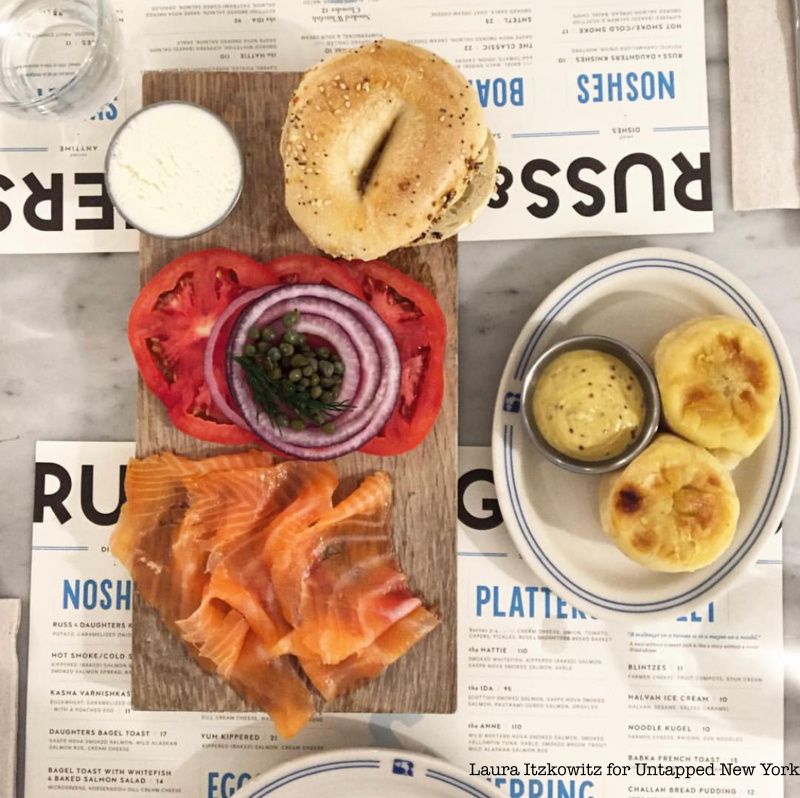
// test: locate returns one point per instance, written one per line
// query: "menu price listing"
(88, 777)
(552, 703)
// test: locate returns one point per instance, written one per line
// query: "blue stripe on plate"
(777, 478)
(313, 770)
(452, 781)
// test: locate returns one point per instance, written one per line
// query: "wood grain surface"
(164, 677)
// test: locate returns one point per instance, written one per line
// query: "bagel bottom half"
(473, 200)
(674, 508)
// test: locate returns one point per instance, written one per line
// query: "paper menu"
(9, 690)
(600, 113)
(540, 684)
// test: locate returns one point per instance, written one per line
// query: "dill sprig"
(282, 403)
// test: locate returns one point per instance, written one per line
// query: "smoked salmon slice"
(337, 580)
(221, 647)
(273, 684)
(229, 508)
(240, 657)
(295, 492)
(156, 503)
(335, 680)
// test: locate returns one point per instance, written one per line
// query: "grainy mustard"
(588, 405)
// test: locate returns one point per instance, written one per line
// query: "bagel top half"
(378, 144)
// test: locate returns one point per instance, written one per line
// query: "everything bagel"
(385, 146)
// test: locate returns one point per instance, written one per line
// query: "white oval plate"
(367, 773)
(553, 516)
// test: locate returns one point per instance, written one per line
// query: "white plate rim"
(777, 497)
(270, 781)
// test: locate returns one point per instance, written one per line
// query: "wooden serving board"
(164, 677)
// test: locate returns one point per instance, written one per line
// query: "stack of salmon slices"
(252, 565)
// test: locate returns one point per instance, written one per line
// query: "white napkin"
(9, 682)
(764, 119)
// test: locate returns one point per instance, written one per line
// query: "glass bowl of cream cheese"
(174, 170)
(590, 404)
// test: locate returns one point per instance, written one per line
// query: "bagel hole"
(366, 173)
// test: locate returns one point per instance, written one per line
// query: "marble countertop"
(66, 372)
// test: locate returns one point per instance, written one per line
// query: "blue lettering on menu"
(696, 616)
(533, 601)
(522, 601)
(94, 594)
(546, 788)
(617, 87)
(225, 784)
(499, 92)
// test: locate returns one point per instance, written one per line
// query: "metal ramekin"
(632, 359)
(236, 197)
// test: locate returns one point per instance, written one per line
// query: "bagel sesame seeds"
(404, 78)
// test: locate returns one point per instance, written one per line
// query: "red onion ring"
(217, 395)
(362, 367)
(353, 391)
(365, 330)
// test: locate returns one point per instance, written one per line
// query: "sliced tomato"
(420, 331)
(168, 327)
(312, 269)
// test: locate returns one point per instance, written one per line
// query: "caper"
(254, 333)
(308, 371)
(250, 350)
(275, 374)
(263, 346)
(337, 380)
(327, 382)
(292, 337)
(315, 392)
(295, 375)
(326, 398)
(298, 424)
(274, 354)
(281, 420)
(326, 368)
(329, 427)
(268, 334)
(318, 418)
(338, 366)
(291, 318)
(314, 379)
(335, 391)
(305, 349)
(314, 363)
(323, 353)
(298, 361)
(301, 339)
(286, 348)
(304, 383)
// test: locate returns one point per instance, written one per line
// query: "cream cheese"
(174, 169)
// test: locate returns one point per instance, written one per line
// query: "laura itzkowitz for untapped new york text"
(678, 771)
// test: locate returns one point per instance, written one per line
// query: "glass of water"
(58, 58)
